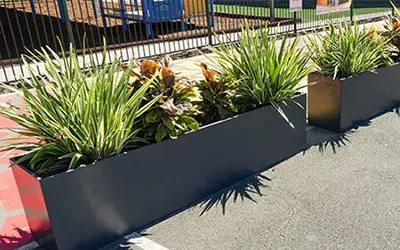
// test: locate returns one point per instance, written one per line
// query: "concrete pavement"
(341, 193)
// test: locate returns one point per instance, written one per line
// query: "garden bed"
(95, 205)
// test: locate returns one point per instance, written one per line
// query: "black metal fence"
(147, 28)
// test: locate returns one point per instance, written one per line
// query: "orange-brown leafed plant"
(217, 96)
(177, 106)
(392, 31)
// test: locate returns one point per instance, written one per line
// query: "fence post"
(272, 10)
(208, 14)
(352, 11)
(295, 22)
(394, 4)
(64, 9)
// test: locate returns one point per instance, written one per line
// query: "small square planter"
(342, 104)
(95, 205)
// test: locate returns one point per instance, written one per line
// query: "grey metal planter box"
(94, 205)
(341, 104)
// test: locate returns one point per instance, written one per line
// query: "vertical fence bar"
(208, 16)
(295, 22)
(352, 11)
(2, 61)
(272, 10)
(76, 24)
(70, 34)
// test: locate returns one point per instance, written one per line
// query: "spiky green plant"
(76, 116)
(263, 74)
(343, 51)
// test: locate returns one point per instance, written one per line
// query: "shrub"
(217, 96)
(177, 104)
(392, 31)
(263, 74)
(76, 116)
(345, 51)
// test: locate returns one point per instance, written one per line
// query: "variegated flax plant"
(347, 50)
(76, 116)
(263, 74)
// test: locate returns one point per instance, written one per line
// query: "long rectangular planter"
(342, 104)
(94, 205)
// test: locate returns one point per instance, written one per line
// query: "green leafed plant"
(177, 104)
(392, 30)
(344, 51)
(75, 116)
(263, 73)
(217, 96)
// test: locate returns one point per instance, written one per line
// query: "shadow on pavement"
(243, 190)
(11, 242)
(326, 139)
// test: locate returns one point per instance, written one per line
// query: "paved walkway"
(341, 193)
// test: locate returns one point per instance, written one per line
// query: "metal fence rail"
(146, 28)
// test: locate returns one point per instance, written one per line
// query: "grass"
(306, 15)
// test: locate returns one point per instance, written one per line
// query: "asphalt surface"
(341, 193)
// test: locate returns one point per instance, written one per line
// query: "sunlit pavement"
(342, 193)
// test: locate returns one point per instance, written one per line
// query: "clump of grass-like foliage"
(263, 73)
(344, 50)
(77, 116)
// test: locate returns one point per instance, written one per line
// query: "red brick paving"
(15, 230)
(9, 196)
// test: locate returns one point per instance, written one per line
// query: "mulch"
(20, 31)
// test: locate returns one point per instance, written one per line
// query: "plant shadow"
(10, 242)
(327, 139)
(243, 190)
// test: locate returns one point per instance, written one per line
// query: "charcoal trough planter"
(342, 104)
(94, 205)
